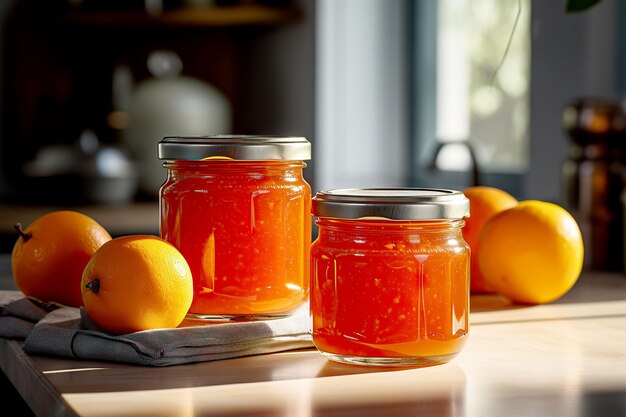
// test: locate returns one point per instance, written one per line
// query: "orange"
(137, 282)
(485, 202)
(49, 256)
(531, 253)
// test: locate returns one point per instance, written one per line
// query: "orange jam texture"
(390, 293)
(245, 230)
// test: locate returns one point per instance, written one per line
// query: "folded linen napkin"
(68, 332)
(18, 315)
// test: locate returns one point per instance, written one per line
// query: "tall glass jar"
(390, 276)
(238, 209)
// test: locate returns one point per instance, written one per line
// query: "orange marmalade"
(390, 273)
(241, 217)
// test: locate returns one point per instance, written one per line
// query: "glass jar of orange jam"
(389, 276)
(238, 209)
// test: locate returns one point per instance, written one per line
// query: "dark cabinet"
(60, 57)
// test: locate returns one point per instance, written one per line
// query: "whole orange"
(531, 253)
(49, 256)
(485, 202)
(137, 282)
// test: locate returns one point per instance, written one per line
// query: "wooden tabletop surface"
(567, 358)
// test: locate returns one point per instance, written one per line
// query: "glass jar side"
(244, 228)
(388, 292)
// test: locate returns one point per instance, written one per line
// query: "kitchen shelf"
(117, 219)
(216, 16)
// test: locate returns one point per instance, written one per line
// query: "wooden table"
(563, 359)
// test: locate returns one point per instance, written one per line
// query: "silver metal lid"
(240, 147)
(391, 203)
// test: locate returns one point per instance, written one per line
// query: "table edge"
(24, 374)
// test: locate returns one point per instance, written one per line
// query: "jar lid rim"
(400, 203)
(240, 147)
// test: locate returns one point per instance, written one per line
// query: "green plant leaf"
(574, 6)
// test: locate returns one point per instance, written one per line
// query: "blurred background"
(517, 94)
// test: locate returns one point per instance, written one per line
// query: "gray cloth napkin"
(18, 315)
(68, 332)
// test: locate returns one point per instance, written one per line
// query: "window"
(385, 72)
(467, 62)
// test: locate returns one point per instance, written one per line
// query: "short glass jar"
(390, 276)
(238, 209)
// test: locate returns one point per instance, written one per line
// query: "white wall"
(362, 94)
